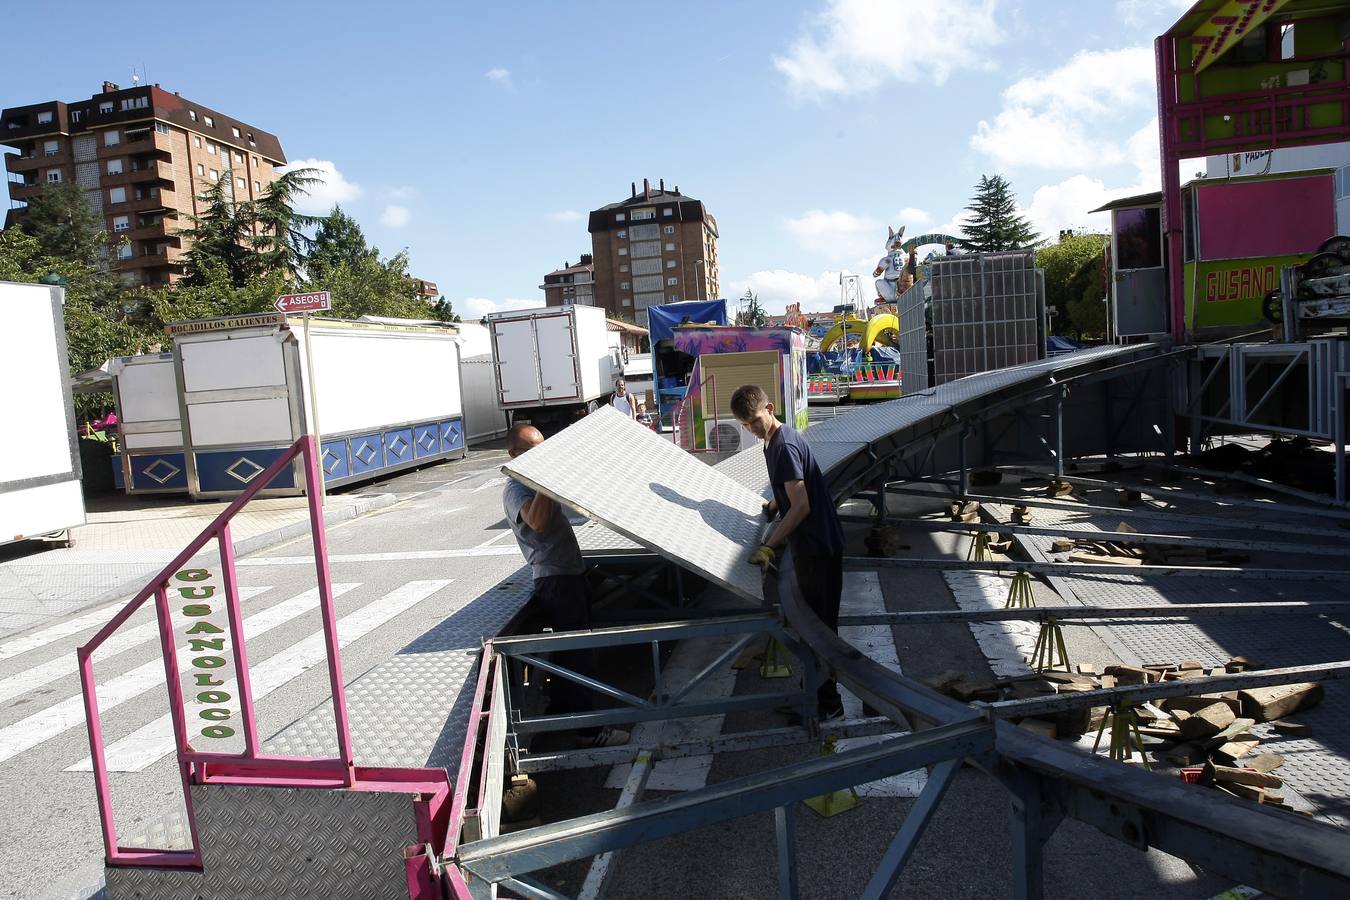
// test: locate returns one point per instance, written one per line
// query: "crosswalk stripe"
(48, 723)
(67, 664)
(382, 557)
(154, 740)
(55, 632)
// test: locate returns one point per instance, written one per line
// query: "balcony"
(162, 198)
(161, 231)
(141, 173)
(21, 162)
(152, 260)
(25, 192)
(144, 142)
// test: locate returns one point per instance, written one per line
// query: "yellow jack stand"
(1125, 737)
(1049, 645)
(1019, 595)
(979, 548)
(832, 804)
(775, 661)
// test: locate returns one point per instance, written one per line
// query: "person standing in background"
(622, 400)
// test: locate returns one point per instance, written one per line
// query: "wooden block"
(1040, 726)
(1245, 776)
(1192, 664)
(1129, 674)
(1238, 726)
(1292, 729)
(1237, 748)
(1186, 754)
(1161, 667)
(1061, 545)
(1200, 701)
(1274, 798)
(1265, 762)
(1160, 731)
(1245, 791)
(1240, 664)
(1183, 673)
(1207, 722)
(967, 689)
(1094, 558)
(1108, 681)
(942, 681)
(1087, 669)
(1270, 703)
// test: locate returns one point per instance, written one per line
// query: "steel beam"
(785, 832)
(1065, 613)
(507, 856)
(623, 635)
(594, 885)
(1130, 537)
(1181, 687)
(907, 838)
(1264, 483)
(622, 716)
(1076, 570)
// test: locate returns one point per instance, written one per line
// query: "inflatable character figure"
(891, 266)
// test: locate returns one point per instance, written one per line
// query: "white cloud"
(1066, 204)
(401, 193)
(1140, 12)
(837, 236)
(333, 189)
(1066, 118)
(498, 75)
(855, 46)
(777, 288)
(395, 216)
(913, 217)
(477, 307)
(565, 215)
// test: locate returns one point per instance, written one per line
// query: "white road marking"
(494, 539)
(381, 557)
(48, 723)
(60, 630)
(1006, 645)
(490, 483)
(67, 664)
(862, 595)
(154, 741)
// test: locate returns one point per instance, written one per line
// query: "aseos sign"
(303, 303)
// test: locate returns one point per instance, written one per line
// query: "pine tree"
(65, 227)
(280, 239)
(994, 223)
(751, 312)
(338, 239)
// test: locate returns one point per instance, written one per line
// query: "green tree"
(751, 312)
(1087, 309)
(444, 310)
(993, 223)
(280, 237)
(338, 239)
(1062, 263)
(220, 238)
(65, 227)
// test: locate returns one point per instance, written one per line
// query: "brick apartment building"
(655, 247)
(571, 284)
(144, 156)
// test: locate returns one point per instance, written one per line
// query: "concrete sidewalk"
(126, 540)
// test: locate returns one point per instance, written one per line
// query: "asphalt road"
(50, 843)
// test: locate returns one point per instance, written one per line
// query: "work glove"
(769, 511)
(763, 557)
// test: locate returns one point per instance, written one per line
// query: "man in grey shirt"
(562, 596)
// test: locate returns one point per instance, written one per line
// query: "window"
(670, 229)
(667, 211)
(627, 301)
(105, 107)
(234, 131)
(135, 103)
(215, 176)
(196, 142)
(255, 162)
(121, 223)
(161, 128)
(618, 217)
(44, 118)
(257, 188)
(210, 147)
(53, 176)
(51, 148)
(670, 282)
(117, 195)
(201, 169)
(623, 233)
(241, 184)
(124, 251)
(210, 122)
(250, 139)
(670, 264)
(114, 167)
(112, 138)
(673, 298)
(192, 114)
(640, 214)
(239, 157)
(623, 268)
(76, 115)
(623, 251)
(1138, 238)
(670, 246)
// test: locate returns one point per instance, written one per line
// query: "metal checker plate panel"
(747, 469)
(411, 710)
(667, 500)
(880, 420)
(1318, 768)
(595, 538)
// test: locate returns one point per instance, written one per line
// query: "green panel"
(1231, 292)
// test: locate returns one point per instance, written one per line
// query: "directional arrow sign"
(300, 303)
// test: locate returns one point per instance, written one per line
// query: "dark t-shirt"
(788, 457)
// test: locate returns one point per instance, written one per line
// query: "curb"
(264, 541)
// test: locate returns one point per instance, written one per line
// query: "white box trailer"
(388, 398)
(40, 490)
(484, 420)
(145, 390)
(553, 363)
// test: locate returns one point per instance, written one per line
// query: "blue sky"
(478, 135)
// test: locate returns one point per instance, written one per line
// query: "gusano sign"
(211, 665)
(1240, 283)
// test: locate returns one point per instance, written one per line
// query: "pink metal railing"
(280, 771)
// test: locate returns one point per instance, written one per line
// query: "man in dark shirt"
(809, 524)
(562, 596)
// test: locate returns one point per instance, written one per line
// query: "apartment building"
(655, 247)
(571, 284)
(144, 157)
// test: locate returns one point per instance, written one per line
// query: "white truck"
(552, 364)
(40, 490)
